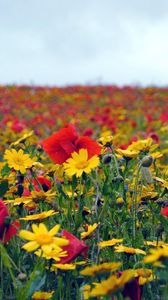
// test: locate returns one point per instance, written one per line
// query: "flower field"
(83, 193)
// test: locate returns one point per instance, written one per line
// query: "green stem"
(134, 205)
(115, 161)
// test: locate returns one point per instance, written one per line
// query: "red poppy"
(154, 137)
(86, 142)
(60, 145)
(88, 132)
(11, 231)
(17, 126)
(164, 116)
(164, 211)
(44, 182)
(7, 231)
(75, 247)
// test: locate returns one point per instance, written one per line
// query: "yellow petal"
(30, 246)
(54, 230)
(35, 228)
(47, 248)
(27, 235)
(42, 228)
(60, 241)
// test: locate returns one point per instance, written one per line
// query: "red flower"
(44, 182)
(132, 290)
(86, 142)
(62, 144)
(7, 231)
(88, 132)
(11, 231)
(164, 211)
(17, 126)
(164, 116)
(3, 214)
(154, 137)
(75, 247)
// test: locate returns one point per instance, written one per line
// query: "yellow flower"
(106, 140)
(129, 250)
(41, 237)
(21, 200)
(148, 193)
(110, 243)
(128, 153)
(156, 243)
(43, 196)
(42, 295)
(19, 161)
(64, 267)
(156, 255)
(105, 267)
(90, 229)
(112, 284)
(142, 145)
(23, 138)
(80, 163)
(55, 254)
(163, 182)
(33, 199)
(43, 215)
(144, 275)
(156, 155)
(86, 291)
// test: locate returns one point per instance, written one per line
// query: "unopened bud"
(22, 276)
(106, 159)
(20, 189)
(147, 161)
(120, 201)
(117, 179)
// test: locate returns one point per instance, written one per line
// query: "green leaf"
(5, 170)
(164, 222)
(3, 187)
(35, 282)
(7, 262)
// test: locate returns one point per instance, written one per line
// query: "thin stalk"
(134, 205)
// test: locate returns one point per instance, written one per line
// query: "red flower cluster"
(62, 144)
(7, 231)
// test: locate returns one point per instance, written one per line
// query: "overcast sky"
(60, 42)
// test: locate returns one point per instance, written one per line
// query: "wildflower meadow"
(83, 193)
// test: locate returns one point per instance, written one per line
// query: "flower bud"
(22, 276)
(20, 189)
(106, 159)
(117, 179)
(147, 161)
(120, 201)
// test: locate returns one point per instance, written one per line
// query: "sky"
(65, 42)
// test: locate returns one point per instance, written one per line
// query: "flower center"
(18, 161)
(82, 164)
(43, 239)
